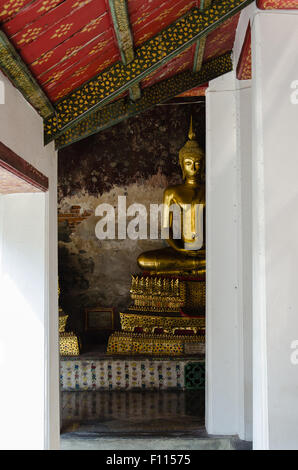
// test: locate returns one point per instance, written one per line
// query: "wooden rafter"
(119, 110)
(148, 57)
(15, 69)
(200, 46)
(122, 29)
(124, 36)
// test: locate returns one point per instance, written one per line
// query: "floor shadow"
(133, 412)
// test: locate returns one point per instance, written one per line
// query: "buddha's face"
(191, 167)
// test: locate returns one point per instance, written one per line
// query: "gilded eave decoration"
(15, 69)
(119, 110)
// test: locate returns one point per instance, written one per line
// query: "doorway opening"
(140, 334)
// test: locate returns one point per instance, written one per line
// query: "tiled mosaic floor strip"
(78, 375)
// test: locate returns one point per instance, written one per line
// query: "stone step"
(89, 441)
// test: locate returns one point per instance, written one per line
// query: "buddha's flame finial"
(191, 133)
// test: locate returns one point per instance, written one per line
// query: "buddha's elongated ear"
(181, 163)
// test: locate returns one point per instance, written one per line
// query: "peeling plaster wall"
(138, 159)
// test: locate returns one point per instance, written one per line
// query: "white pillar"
(29, 342)
(244, 160)
(229, 271)
(275, 229)
(223, 370)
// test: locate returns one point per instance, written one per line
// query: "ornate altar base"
(99, 372)
(155, 324)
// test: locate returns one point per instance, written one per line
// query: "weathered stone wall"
(138, 159)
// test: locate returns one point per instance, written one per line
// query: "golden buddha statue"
(187, 254)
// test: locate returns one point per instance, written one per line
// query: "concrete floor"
(140, 420)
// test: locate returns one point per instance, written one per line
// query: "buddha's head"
(190, 156)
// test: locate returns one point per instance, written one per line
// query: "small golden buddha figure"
(187, 253)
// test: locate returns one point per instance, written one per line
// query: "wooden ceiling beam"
(148, 57)
(120, 16)
(200, 46)
(160, 92)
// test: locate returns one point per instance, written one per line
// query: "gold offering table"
(162, 324)
(161, 345)
(69, 342)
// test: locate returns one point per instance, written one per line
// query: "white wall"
(275, 229)
(29, 240)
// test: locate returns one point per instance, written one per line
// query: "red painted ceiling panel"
(179, 64)
(8, 8)
(141, 10)
(222, 39)
(41, 24)
(244, 71)
(82, 75)
(72, 46)
(159, 16)
(44, 41)
(78, 69)
(29, 15)
(94, 49)
(198, 91)
(278, 4)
